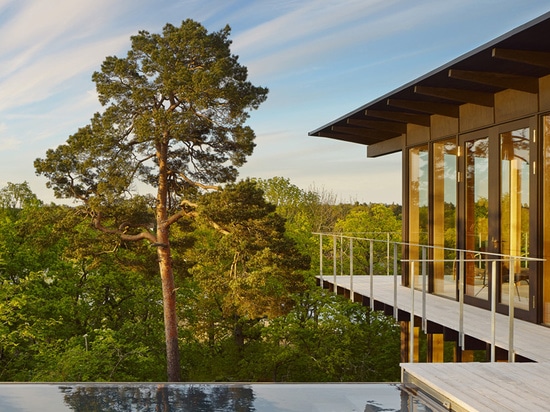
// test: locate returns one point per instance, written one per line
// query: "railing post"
(461, 299)
(334, 261)
(341, 254)
(351, 293)
(424, 275)
(395, 309)
(321, 258)
(387, 253)
(511, 307)
(411, 319)
(493, 308)
(371, 269)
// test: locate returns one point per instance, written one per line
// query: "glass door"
(498, 217)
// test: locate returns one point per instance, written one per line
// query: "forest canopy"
(77, 304)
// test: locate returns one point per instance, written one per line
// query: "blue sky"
(319, 58)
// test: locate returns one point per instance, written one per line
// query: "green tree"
(256, 266)
(324, 338)
(69, 311)
(374, 221)
(174, 120)
(16, 196)
(244, 270)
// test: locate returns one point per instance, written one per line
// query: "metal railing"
(459, 260)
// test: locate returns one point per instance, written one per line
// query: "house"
(475, 141)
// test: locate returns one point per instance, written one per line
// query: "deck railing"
(392, 252)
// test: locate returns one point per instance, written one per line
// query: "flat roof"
(515, 60)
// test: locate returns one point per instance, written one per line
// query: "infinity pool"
(196, 397)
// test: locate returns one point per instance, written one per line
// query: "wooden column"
(405, 342)
(436, 347)
(467, 356)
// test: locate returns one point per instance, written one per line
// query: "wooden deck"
(530, 340)
(483, 387)
(470, 386)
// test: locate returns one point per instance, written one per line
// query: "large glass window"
(444, 217)
(477, 216)
(418, 205)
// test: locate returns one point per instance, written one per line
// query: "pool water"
(197, 397)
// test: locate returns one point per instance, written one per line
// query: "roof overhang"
(514, 61)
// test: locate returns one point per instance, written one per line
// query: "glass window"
(477, 215)
(444, 216)
(418, 204)
(514, 214)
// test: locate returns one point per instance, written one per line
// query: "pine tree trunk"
(170, 316)
(165, 266)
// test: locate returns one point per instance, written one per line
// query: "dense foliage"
(77, 304)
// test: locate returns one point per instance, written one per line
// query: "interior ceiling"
(515, 61)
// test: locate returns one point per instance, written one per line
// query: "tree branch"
(197, 184)
(96, 220)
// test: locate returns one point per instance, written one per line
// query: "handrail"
(493, 258)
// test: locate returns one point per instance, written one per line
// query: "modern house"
(475, 141)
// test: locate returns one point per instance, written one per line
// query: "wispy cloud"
(51, 42)
(47, 74)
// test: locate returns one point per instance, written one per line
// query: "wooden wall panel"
(511, 104)
(417, 134)
(544, 93)
(473, 116)
(443, 126)
(386, 147)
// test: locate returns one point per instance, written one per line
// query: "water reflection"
(159, 398)
(207, 397)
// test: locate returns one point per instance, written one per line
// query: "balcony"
(379, 285)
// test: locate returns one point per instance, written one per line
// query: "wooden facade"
(475, 141)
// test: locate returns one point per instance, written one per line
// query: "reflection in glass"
(477, 216)
(444, 216)
(418, 205)
(514, 214)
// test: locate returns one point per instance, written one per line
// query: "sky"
(320, 59)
